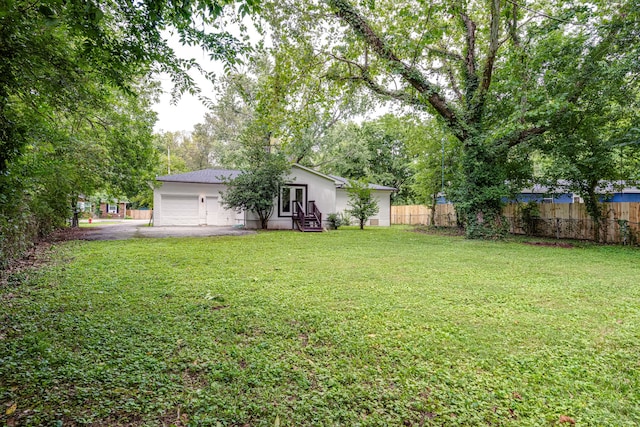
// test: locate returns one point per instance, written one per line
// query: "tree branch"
(452, 80)
(470, 57)
(494, 44)
(487, 73)
(346, 12)
(521, 136)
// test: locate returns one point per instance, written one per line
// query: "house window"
(286, 200)
(299, 196)
(112, 208)
(289, 195)
(547, 200)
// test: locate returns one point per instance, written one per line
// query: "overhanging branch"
(346, 12)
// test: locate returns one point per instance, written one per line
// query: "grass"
(376, 328)
(87, 224)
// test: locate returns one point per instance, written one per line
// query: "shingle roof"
(345, 182)
(205, 176)
(221, 176)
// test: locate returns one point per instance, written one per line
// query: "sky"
(189, 110)
(180, 117)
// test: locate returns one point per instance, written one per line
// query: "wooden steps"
(310, 221)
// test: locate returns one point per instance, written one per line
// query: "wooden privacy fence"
(444, 216)
(139, 213)
(621, 221)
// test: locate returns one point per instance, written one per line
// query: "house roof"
(563, 186)
(205, 176)
(221, 176)
(344, 182)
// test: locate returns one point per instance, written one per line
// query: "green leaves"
(362, 204)
(258, 186)
(497, 74)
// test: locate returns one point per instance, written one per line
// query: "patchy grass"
(374, 328)
(87, 224)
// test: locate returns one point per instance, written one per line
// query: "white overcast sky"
(189, 110)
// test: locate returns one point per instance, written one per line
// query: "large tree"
(496, 73)
(74, 106)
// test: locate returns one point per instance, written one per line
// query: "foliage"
(362, 204)
(388, 327)
(496, 75)
(337, 220)
(99, 147)
(376, 150)
(529, 214)
(585, 152)
(257, 187)
(436, 164)
(75, 101)
(267, 87)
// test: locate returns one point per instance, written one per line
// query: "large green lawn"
(385, 327)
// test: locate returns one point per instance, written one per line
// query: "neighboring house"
(610, 192)
(194, 198)
(113, 209)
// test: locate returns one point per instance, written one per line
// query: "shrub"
(337, 220)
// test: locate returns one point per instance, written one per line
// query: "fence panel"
(620, 224)
(444, 216)
(139, 213)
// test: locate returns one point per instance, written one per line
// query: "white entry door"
(216, 214)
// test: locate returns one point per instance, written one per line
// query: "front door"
(289, 195)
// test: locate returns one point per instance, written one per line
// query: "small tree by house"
(362, 204)
(257, 187)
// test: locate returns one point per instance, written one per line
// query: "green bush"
(337, 220)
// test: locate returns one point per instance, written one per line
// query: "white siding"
(180, 209)
(174, 203)
(200, 204)
(384, 203)
(319, 189)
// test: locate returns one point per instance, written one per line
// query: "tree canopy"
(497, 74)
(75, 98)
(362, 204)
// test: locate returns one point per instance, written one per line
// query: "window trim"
(304, 187)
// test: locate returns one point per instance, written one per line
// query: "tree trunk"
(479, 199)
(75, 221)
(594, 210)
(434, 203)
(264, 222)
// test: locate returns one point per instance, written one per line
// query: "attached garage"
(180, 209)
(217, 214)
(193, 198)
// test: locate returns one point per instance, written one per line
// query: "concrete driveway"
(130, 228)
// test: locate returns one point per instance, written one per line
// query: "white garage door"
(180, 210)
(216, 214)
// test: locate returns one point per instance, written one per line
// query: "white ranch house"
(193, 198)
